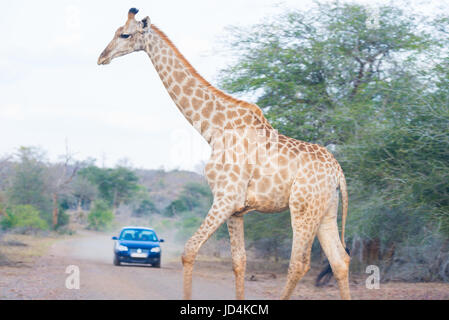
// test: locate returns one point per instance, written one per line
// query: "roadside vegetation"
(376, 94)
(93, 196)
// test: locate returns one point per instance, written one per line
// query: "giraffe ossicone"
(252, 167)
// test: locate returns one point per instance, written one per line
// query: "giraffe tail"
(326, 274)
(344, 204)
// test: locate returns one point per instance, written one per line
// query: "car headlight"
(155, 249)
(119, 247)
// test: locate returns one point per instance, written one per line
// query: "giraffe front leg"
(237, 238)
(218, 214)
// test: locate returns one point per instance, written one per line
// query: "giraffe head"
(127, 38)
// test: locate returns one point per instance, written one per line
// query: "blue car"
(137, 245)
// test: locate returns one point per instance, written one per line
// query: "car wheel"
(116, 261)
(156, 265)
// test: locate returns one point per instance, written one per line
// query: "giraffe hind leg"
(305, 221)
(299, 263)
(333, 248)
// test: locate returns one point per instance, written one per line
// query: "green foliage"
(176, 206)
(407, 160)
(192, 205)
(270, 234)
(195, 197)
(23, 216)
(63, 217)
(316, 73)
(141, 204)
(145, 208)
(28, 182)
(101, 216)
(377, 97)
(372, 218)
(115, 186)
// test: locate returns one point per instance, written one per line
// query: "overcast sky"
(52, 91)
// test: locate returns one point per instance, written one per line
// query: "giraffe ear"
(146, 22)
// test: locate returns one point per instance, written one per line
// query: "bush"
(195, 197)
(145, 208)
(101, 216)
(23, 216)
(175, 207)
(63, 218)
(29, 182)
(187, 227)
(269, 234)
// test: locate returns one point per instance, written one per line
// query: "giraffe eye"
(125, 35)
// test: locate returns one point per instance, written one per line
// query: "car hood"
(139, 244)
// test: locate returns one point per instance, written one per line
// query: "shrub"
(63, 218)
(145, 208)
(101, 216)
(23, 216)
(195, 197)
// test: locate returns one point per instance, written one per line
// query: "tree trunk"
(371, 251)
(55, 210)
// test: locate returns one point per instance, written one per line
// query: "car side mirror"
(114, 238)
(161, 240)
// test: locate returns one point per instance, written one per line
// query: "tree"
(4, 166)
(83, 190)
(377, 98)
(317, 74)
(28, 185)
(115, 186)
(194, 197)
(124, 182)
(60, 176)
(141, 203)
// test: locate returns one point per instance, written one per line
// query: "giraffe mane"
(214, 90)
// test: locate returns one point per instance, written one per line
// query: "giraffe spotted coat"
(252, 167)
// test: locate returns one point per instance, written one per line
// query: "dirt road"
(45, 278)
(100, 279)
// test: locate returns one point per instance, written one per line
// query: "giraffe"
(252, 167)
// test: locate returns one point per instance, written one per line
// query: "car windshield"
(138, 235)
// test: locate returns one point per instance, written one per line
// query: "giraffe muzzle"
(104, 57)
(103, 60)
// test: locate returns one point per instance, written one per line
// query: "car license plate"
(139, 255)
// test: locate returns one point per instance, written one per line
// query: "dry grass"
(20, 250)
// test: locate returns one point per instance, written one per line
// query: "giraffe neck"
(208, 109)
